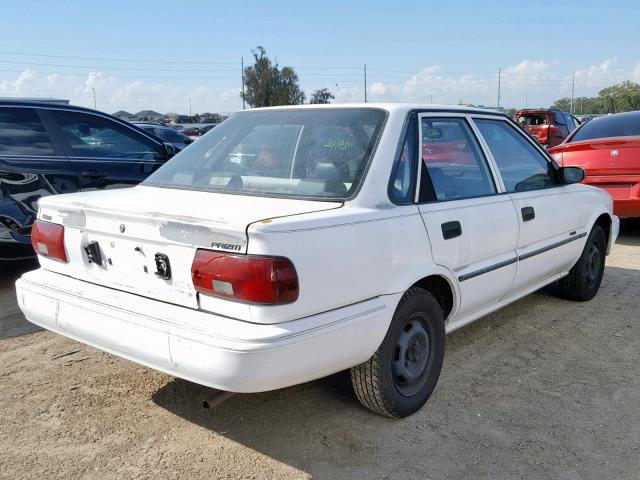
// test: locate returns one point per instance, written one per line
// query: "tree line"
(622, 97)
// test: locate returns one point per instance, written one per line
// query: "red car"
(548, 127)
(608, 150)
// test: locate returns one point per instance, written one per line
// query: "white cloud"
(538, 81)
(115, 93)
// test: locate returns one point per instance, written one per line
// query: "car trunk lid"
(607, 156)
(143, 240)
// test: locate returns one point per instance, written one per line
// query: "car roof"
(46, 104)
(391, 107)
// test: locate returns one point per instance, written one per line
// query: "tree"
(267, 85)
(617, 98)
(322, 95)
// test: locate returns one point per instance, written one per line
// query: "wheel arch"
(442, 288)
(605, 221)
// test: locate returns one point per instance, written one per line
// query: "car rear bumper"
(211, 350)
(624, 190)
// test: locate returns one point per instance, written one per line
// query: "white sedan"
(294, 242)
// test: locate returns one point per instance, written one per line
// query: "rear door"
(105, 153)
(548, 213)
(472, 229)
(32, 165)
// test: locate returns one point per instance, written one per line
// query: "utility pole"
(190, 117)
(242, 73)
(431, 98)
(573, 84)
(365, 82)
(499, 79)
(94, 98)
(526, 101)
(341, 94)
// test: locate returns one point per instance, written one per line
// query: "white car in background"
(291, 243)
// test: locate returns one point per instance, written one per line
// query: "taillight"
(247, 278)
(47, 240)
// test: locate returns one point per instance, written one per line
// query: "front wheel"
(583, 281)
(400, 377)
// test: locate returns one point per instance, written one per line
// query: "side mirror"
(169, 150)
(570, 175)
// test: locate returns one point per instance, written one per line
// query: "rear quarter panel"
(344, 256)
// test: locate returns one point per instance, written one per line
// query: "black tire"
(584, 278)
(400, 377)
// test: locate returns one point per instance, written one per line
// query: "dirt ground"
(544, 389)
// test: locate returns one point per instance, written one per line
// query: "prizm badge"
(226, 246)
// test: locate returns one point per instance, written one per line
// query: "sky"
(173, 56)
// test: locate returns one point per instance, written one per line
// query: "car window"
(22, 133)
(298, 152)
(559, 118)
(94, 136)
(532, 119)
(569, 120)
(521, 165)
(453, 165)
(404, 168)
(620, 125)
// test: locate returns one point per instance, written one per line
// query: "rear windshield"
(293, 153)
(622, 125)
(533, 119)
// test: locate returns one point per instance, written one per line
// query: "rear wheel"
(399, 378)
(583, 281)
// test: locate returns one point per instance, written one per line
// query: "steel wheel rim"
(594, 260)
(411, 356)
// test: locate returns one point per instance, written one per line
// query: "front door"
(546, 210)
(473, 230)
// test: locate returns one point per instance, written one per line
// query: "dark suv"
(48, 148)
(548, 127)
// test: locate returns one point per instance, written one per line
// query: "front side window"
(521, 165)
(453, 166)
(297, 152)
(97, 137)
(22, 133)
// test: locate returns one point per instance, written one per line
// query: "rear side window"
(453, 166)
(404, 169)
(22, 133)
(97, 137)
(521, 165)
(622, 125)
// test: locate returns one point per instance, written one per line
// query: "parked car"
(548, 127)
(166, 134)
(192, 131)
(206, 128)
(608, 149)
(295, 242)
(48, 148)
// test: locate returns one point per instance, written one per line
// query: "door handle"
(528, 213)
(451, 230)
(93, 174)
